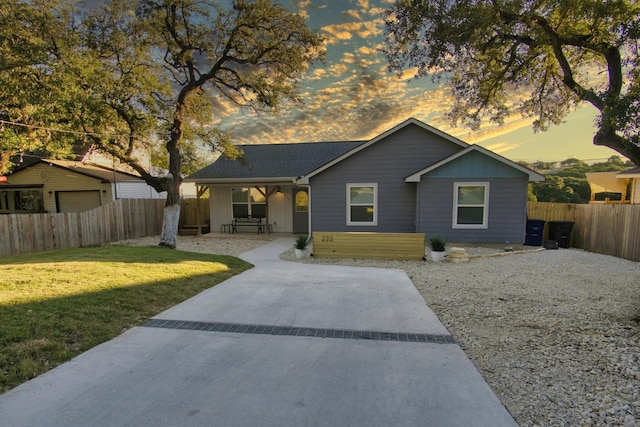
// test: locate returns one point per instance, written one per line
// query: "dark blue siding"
(386, 162)
(507, 210)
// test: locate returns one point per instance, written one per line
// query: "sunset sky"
(353, 97)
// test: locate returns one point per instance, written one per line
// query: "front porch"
(248, 208)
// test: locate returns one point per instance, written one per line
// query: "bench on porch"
(398, 246)
(250, 222)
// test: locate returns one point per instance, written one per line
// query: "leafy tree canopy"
(541, 57)
(127, 77)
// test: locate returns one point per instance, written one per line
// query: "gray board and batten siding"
(387, 163)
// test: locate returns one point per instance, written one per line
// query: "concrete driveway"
(283, 344)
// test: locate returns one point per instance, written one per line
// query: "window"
(4, 201)
(361, 204)
(28, 200)
(470, 204)
(249, 202)
(302, 201)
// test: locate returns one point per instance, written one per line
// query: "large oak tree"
(126, 74)
(541, 57)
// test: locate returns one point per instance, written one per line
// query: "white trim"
(485, 205)
(628, 175)
(375, 204)
(412, 120)
(309, 230)
(533, 176)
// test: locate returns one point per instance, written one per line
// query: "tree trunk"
(172, 206)
(171, 219)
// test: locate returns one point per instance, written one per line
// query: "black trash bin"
(560, 231)
(533, 237)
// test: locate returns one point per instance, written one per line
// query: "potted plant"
(301, 246)
(437, 243)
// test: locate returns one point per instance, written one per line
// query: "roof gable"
(463, 162)
(101, 173)
(409, 122)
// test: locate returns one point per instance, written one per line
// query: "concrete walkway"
(282, 344)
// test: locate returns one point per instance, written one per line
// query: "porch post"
(199, 193)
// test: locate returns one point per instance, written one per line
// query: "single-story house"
(68, 186)
(412, 178)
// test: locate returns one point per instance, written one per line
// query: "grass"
(55, 305)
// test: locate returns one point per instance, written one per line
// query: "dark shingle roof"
(633, 171)
(275, 160)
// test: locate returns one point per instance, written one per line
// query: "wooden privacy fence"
(609, 229)
(120, 220)
(189, 211)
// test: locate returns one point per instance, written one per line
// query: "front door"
(300, 210)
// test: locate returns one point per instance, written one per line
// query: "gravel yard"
(556, 334)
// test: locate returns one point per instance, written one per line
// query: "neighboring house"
(411, 178)
(616, 182)
(634, 176)
(68, 186)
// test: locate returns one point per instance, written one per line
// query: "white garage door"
(77, 201)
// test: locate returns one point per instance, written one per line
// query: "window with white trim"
(362, 204)
(249, 202)
(470, 204)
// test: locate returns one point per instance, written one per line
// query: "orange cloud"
(501, 147)
(352, 13)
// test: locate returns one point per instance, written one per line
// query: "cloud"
(491, 130)
(408, 73)
(376, 11)
(355, 98)
(349, 58)
(361, 105)
(365, 50)
(318, 74)
(501, 147)
(304, 5)
(374, 27)
(337, 33)
(352, 13)
(302, 8)
(337, 70)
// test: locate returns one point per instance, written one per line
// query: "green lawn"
(55, 305)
